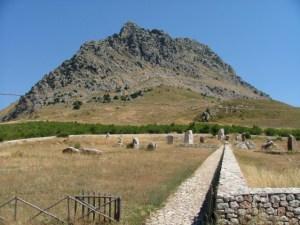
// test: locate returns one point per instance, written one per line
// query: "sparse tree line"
(63, 129)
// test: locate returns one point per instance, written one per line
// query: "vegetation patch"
(63, 129)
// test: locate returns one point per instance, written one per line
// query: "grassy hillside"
(264, 113)
(163, 105)
(166, 105)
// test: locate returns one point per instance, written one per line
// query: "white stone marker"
(189, 137)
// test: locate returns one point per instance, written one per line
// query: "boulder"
(91, 151)
(151, 146)
(205, 116)
(87, 151)
(71, 150)
(268, 145)
(250, 144)
(247, 145)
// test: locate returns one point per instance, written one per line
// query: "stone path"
(183, 206)
(231, 180)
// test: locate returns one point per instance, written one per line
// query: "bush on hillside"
(77, 105)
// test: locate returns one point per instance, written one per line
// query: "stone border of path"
(193, 202)
(239, 204)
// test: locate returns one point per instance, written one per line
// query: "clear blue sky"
(260, 39)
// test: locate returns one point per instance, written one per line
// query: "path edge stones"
(194, 200)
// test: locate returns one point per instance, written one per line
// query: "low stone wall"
(238, 204)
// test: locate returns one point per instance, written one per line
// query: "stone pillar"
(136, 143)
(291, 143)
(120, 140)
(201, 139)
(221, 134)
(244, 137)
(188, 137)
(170, 139)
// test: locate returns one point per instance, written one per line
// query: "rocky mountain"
(127, 64)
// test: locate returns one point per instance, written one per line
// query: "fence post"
(99, 206)
(119, 209)
(88, 201)
(104, 207)
(82, 205)
(75, 208)
(109, 210)
(94, 204)
(68, 203)
(16, 205)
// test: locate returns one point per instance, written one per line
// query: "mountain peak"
(128, 29)
(134, 60)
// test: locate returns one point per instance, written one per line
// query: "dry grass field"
(40, 173)
(270, 170)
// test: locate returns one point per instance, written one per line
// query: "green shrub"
(63, 129)
(77, 105)
(255, 130)
(106, 98)
(271, 132)
(1, 139)
(214, 129)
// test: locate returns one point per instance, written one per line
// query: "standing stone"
(227, 137)
(151, 146)
(238, 137)
(188, 137)
(291, 143)
(136, 143)
(221, 134)
(120, 140)
(244, 137)
(170, 139)
(201, 139)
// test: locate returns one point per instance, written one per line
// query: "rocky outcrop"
(132, 61)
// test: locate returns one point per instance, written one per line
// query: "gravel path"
(182, 207)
